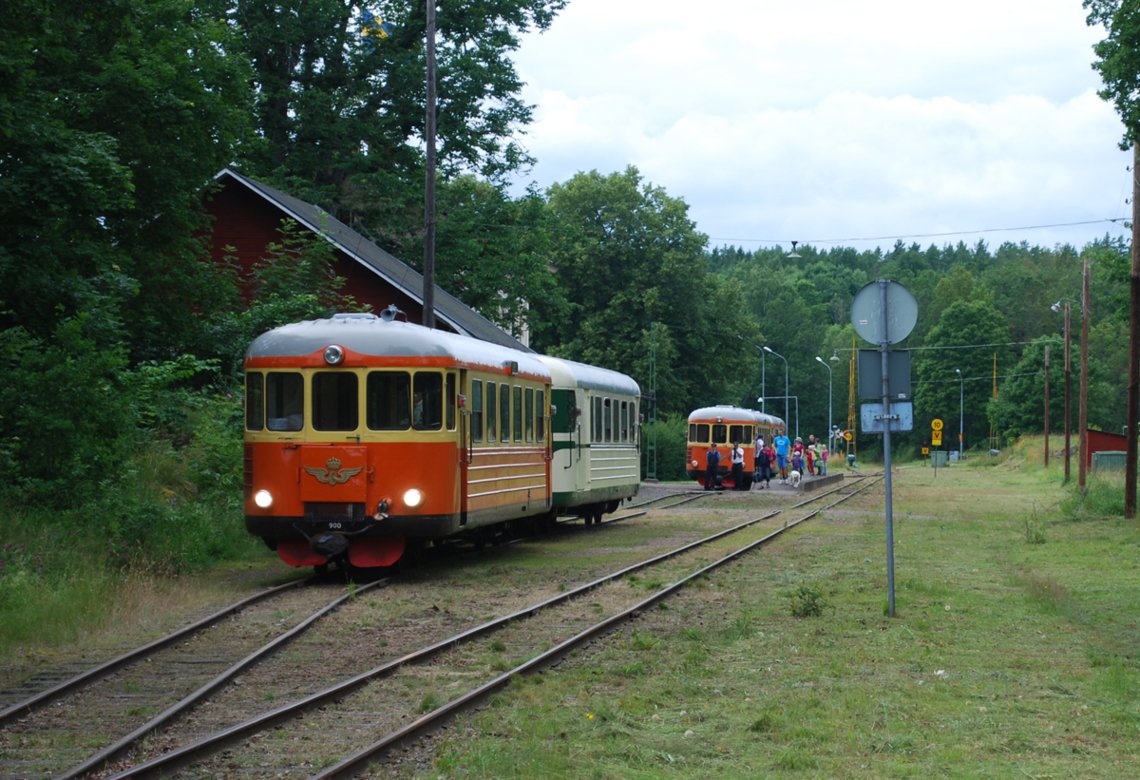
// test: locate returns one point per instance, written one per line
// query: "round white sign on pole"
(867, 312)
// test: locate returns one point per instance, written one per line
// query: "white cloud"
(829, 119)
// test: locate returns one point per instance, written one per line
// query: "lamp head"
(1056, 307)
(958, 371)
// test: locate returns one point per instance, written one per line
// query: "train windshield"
(284, 401)
(335, 404)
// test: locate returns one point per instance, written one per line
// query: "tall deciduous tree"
(1119, 66)
(113, 117)
(627, 255)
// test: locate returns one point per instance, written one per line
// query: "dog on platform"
(794, 478)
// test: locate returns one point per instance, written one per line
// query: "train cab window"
(427, 401)
(699, 433)
(335, 404)
(388, 401)
(505, 413)
(254, 402)
(540, 423)
(284, 401)
(528, 416)
(492, 413)
(719, 434)
(738, 433)
(476, 410)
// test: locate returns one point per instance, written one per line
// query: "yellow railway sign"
(935, 424)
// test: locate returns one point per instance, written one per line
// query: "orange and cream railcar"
(365, 434)
(718, 427)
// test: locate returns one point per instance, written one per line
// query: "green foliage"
(1118, 60)
(807, 602)
(668, 436)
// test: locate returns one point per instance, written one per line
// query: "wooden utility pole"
(1083, 402)
(1134, 346)
(429, 176)
(1046, 404)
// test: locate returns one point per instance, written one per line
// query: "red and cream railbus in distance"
(718, 427)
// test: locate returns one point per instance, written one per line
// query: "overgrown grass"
(168, 511)
(1008, 655)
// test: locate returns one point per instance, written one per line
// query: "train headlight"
(334, 355)
(694, 464)
(413, 497)
(263, 498)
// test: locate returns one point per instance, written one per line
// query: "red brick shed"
(247, 215)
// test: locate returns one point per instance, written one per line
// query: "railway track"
(71, 727)
(428, 673)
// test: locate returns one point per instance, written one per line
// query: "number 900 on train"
(367, 437)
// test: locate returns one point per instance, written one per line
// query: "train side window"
(492, 413)
(597, 419)
(528, 417)
(518, 413)
(505, 413)
(427, 401)
(285, 401)
(388, 401)
(625, 420)
(477, 410)
(608, 430)
(254, 402)
(335, 401)
(540, 423)
(449, 402)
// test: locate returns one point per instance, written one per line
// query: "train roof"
(367, 334)
(568, 373)
(733, 414)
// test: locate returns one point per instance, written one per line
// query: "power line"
(1112, 220)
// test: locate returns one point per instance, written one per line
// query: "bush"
(668, 435)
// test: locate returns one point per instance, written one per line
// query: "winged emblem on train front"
(333, 474)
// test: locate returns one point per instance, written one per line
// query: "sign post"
(884, 313)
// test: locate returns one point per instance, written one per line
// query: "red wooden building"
(247, 217)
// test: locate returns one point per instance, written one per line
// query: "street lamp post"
(1064, 306)
(762, 371)
(961, 408)
(781, 357)
(823, 363)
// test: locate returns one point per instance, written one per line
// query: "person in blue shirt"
(783, 450)
(712, 459)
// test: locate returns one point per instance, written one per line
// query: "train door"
(470, 433)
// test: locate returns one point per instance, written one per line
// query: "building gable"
(247, 215)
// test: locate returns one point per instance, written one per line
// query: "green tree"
(957, 360)
(1118, 60)
(342, 114)
(113, 116)
(626, 255)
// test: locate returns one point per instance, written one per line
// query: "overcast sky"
(834, 122)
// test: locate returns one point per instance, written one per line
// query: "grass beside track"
(1012, 653)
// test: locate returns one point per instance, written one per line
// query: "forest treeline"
(121, 341)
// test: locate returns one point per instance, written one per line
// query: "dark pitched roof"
(391, 269)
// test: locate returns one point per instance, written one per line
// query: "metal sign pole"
(884, 349)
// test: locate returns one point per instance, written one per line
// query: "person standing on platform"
(783, 447)
(737, 466)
